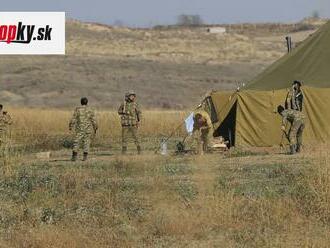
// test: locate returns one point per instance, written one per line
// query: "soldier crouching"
(84, 123)
(130, 115)
(204, 129)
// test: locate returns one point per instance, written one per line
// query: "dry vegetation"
(153, 201)
(169, 67)
(239, 199)
(41, 129)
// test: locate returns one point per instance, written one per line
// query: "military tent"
(248, 117)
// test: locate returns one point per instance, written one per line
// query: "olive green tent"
(249, 118)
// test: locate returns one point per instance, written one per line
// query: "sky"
(146, 13)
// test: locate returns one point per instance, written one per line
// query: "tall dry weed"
(40, 129)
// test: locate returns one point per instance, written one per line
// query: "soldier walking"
(296, 119)
(204, 129)
(84, 124)
(130, 115)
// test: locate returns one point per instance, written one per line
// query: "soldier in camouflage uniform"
(5, 122)
(296, 119)
(203, 128)
(130, 115)
(84, 124)
(294, 99)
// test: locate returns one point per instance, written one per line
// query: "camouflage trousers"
(82, 139)
(4, 146)
(296, 132)
(203, 138)
(130, 132)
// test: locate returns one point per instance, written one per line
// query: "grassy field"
(256, 198)
(153, 201)
(38, 129)
(250, 198)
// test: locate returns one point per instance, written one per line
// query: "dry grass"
(242, 199)
(152, 201)
(48, 129)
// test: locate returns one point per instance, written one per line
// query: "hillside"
(169, 67)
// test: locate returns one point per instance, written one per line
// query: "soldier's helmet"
(131, 93)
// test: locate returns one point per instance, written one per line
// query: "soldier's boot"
(298, 148)
(139, 150)
(123, 150)
(292, 149)
(85, 156)
(74, 156)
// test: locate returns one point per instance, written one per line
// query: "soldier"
(203, 125)
(294, 99)
(130, 115)
(296, 119)
(84, 124)
(5, 122)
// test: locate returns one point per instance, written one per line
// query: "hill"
(169, 67)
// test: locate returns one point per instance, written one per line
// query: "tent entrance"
(227, 129)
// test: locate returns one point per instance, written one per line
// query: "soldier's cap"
(130, 93)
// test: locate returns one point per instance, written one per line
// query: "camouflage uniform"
(297, 122)
(130, 115)
(5, 122)
(204, 131)
(84, 124)
(294, 100)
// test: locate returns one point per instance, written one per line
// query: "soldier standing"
(203, 125)
(296, 119)
(5, 122)
(84, 124)
(130, 115)
(294, 99)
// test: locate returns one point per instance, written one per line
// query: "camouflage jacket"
(207, 121)
(83, 120)
(291, 116)
(130, 114)
(294, 100)
(5, 121)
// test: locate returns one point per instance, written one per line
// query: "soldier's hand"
(283, 128)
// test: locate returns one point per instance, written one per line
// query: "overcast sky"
(153, 12)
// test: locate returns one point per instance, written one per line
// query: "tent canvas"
(309, 63)
(256, 121)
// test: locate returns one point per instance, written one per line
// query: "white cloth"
(190, 123)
